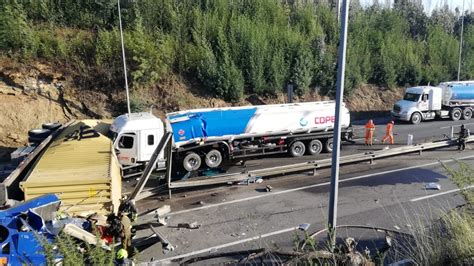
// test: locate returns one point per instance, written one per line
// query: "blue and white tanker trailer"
(453, 100)
(209, 137)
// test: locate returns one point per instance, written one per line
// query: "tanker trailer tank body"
(216, 135)
(456, 93)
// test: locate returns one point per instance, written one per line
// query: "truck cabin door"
(149, 142)
(423, 105)
(126, 148)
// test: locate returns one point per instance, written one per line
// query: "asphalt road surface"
(390, 193)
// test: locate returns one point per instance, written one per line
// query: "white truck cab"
(419, 103)
(136, 137)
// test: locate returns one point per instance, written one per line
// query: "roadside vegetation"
(449, 240)
(233, 48)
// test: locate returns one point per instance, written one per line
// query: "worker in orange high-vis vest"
(389, 133)
(369, 132)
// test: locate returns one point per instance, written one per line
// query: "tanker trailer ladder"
(314, 165)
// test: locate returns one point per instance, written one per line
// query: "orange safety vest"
(370, 126)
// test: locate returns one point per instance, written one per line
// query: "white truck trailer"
(453, 100)
(218, 135)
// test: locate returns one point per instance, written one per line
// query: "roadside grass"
(448, 240)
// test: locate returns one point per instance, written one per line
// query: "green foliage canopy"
(237, 47)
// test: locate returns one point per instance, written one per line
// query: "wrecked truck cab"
(136, 137)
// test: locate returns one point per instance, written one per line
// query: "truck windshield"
(412, 97)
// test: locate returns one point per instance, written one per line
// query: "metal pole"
(332, 217)
(169, 157)
(123, 56)
(460, 43)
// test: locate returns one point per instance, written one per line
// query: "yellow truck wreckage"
(80, 167)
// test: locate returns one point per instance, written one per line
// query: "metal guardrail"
(313, 165)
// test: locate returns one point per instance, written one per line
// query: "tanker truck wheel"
(213, 158)
(415, 118)
(456, 114)
(328, 145)
(467, 113)
(297, 149)
(191, 161)
(314, 147)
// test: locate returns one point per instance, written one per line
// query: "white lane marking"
(312, 186)
(456, 125)
(215, 248)
(440, 194)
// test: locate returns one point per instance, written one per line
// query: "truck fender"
(225, 148)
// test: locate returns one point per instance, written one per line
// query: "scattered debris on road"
(193, 225)
(251, 180)
(268, 188)
(304, 226)
(433, 186)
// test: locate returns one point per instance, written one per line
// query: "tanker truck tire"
(415, 118)
(297, 149)
(467, 113)
(456, 114)
(328, 145)
(191, 162)
(314, 147)
(213, 158)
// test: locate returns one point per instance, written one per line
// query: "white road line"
(215, 248)
(439, 194)
(311, 186)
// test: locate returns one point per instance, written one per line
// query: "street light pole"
(332, 217)
(460, 43)
(123, 57)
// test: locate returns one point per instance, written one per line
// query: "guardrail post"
(315, 172)
(452, 131)
(410, 140)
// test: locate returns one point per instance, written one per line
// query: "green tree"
(15, 33)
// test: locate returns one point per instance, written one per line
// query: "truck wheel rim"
(416, 118)
(213, 159)
(192, 162)
(330, 145)
(297, 149)
(314, 147)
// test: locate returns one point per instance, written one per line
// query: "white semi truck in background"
(213, 136)
(453, 100)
